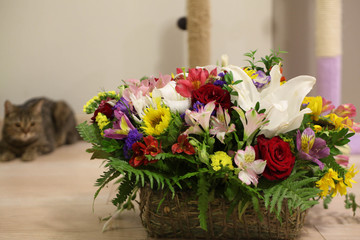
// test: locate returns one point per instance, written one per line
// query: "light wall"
(72, 49)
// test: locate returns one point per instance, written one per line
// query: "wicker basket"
(178, 218)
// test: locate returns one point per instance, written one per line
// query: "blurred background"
(72, 49)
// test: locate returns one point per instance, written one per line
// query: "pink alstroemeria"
(326, 105)
(121, 127)
(353, 126)
(194, 80)
(310, 147)
(346, 110)
(221, 124)
(251, 121)
(199, 121)
(249, 167)
(139, 88)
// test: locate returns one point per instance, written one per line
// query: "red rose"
(279, 158)
(210, 92)
(104, 108)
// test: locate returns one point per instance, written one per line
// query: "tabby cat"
(36, 127)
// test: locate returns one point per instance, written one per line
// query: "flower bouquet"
(221, 151)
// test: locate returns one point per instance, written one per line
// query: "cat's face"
(22, 125)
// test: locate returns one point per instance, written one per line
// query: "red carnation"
(210, 92)
(104, 108)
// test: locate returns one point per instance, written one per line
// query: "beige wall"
(72, 49)
(294, 31)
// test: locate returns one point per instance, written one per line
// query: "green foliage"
(104, 179)
(89, 133)
(125, 191)
(268, 61)
(170, 136)
(163, 156)
(298, 190)
(143, 176)
(203, 197)
(350, 202)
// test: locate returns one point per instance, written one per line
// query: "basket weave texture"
(178, 218)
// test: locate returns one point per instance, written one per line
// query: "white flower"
(281, 102)
(248, 95)
(171, 98)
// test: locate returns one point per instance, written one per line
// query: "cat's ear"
(38, 106)
(9, 107)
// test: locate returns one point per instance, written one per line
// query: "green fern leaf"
(104, 179)
(126, 189)
(203, 194)
(89, 133)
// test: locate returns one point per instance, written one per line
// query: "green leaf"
(203, 192)
(89, 133)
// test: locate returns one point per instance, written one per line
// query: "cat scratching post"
(329, 49)
(198, 27)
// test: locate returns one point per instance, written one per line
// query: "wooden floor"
(51, 198)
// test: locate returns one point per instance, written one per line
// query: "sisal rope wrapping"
(198, 26)
(328, 28)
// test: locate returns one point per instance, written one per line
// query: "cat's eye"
(32, 124)
(17, 124)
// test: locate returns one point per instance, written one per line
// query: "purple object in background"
(329, 86)
(355, 144)
(329, 78)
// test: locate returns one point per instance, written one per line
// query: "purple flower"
(123, 105)
(261, 80)
(219, 83)
(311, 148)
(121, 127)
(221, 74)
(133, 137)
(198, 105)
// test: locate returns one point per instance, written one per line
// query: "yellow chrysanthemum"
(220, 160)
(156, 120)
(102, 121)
(251, 73)
(315, 104)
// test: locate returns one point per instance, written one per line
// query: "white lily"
(248, 95)
(171, 98)
(281, 102)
